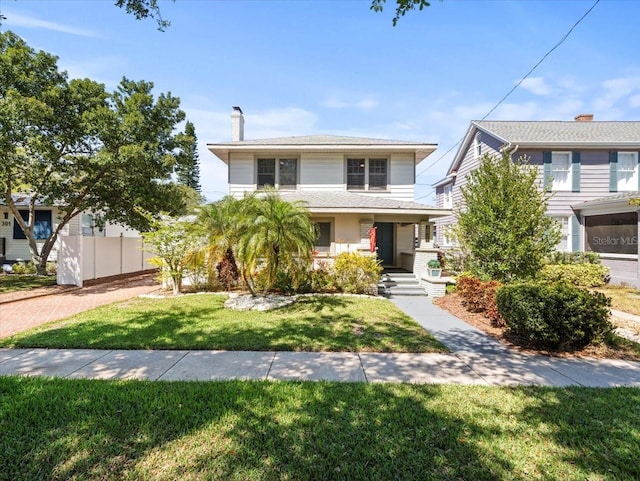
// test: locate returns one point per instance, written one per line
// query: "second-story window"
(367, 174)
(627, 171)
(278, 173)
(561, 170)
(355, 174)
(378, 174)
(447, 197)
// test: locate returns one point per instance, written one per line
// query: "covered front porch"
(399, 233)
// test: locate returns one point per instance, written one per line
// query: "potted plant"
(434, 268)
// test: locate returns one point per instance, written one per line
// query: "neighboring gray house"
(591, 168)
(349, 184)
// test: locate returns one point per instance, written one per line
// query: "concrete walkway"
(476, 359)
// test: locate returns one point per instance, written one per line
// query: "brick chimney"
(237, 124)
(584, 118)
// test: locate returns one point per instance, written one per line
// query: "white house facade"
(352, 187)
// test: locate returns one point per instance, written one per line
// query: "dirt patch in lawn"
(453, 304)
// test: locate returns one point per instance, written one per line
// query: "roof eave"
(431, 212)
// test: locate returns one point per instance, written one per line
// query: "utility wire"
(560, 42)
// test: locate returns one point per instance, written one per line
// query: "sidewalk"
(475, 359)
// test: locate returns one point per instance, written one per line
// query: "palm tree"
(220, 224)
(278, 233)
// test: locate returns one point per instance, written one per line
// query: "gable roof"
(552, 134)
(322, 143)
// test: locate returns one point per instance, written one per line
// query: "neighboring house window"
(477, 145)
(91, 226)
(627, 171)
(565, 230)
(355, 174)
(447, 197)
(447, 236)
(277, 173)
(367, 174)
(561, 170)
(42, 227)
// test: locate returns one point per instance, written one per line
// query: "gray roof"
(534, 132)
(345, 201)
(22, 200)
(319, 140)
(623, 197)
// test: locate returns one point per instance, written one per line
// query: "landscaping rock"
(247, 302)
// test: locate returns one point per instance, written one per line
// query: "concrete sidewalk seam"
(89, 363)
(273, 359)
(364, 371)
(159, 378)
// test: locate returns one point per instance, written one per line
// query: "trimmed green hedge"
(555, 316)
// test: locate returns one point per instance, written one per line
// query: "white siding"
(241, 174)
(322, 171)
(402, 177)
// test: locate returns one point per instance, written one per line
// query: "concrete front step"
(400, 284)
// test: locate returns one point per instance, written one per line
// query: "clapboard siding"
(322, 171)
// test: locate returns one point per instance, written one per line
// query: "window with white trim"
(447, 197)
(448, 238)
(561, 171)
(565, 232)
(367, 174)
(627, 171)
(278, 173)
(477, 146)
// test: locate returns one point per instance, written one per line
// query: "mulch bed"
(453, 304)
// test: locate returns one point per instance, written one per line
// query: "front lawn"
(322, 323)
(21, 282)
(623, 298)
(81, 429)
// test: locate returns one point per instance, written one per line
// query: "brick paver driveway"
(24, 314)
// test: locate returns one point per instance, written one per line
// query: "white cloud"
(15, 19)
(615, 90)
(368, 102)
(536, 85)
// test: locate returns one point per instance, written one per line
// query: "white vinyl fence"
(86, 258)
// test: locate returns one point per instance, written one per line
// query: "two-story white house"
(591, 167)
(350, 185)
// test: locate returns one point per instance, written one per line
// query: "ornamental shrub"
(580, 275)
(579, 257)
(480, 296)
(555, 316)
(356, 273)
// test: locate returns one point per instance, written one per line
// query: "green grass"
(21, 282)
(323, 323)
(80, 429)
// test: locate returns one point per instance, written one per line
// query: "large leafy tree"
(502, 226)
(77, 146)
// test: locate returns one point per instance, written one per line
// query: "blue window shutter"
(613, 171)
(546, 170)
(576, 240)
(575, 174)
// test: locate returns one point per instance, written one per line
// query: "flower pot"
(435, 272)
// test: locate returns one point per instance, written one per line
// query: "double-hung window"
(367, 174)
(561, 170)
(447, 197)
(277, 173)
(627, 171)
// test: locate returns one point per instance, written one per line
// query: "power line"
(560, 42)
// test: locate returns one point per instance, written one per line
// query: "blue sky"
(301, 67)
